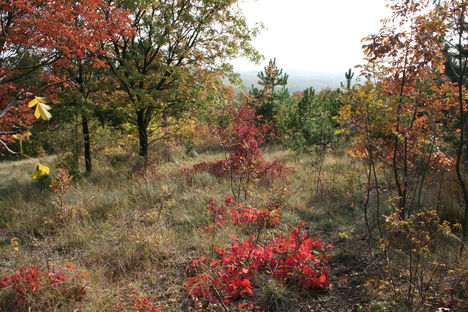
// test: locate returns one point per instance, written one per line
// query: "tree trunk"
(458, 164)
(87, 144)
(143, 133)
(76, 148)
(464, 123)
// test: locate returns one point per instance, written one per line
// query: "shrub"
(416, 265)
(32, 288)
(296, 259)
(245, 164)
(65, 213)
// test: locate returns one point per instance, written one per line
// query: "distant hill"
(300, 80)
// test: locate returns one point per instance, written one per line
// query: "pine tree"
(305, 104)
(269, 101)
(456, 65)
(271, 77)
(349, 77)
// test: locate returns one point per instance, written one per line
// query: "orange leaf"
(70, 265)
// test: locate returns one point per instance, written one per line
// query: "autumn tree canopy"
(36, 37)
(411, 116)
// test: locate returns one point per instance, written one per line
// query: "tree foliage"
(36, 38)
(175, 62)
(407, 119)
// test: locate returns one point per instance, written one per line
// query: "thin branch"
(19, 97)
(7, 148)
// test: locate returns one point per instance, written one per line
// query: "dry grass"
(135, 235)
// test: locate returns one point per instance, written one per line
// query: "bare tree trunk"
(464, 123)
(86, 144)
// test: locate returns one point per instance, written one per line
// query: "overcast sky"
(312, 35)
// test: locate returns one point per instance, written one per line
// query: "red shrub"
(271, 171)
(296, 258)
(219, 169)
(245, 163)
(33, 282)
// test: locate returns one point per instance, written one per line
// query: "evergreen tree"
(456, 66)
(268, 100)
(272, 76)
(313, 120)
(349, 77)
(305, 103)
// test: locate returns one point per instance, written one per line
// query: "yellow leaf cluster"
(41, 170)
(15, 244)
(42, 109)
(22, 136)
(343, 234)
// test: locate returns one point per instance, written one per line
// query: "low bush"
(245, 164)
(229, 278)
(36, 289)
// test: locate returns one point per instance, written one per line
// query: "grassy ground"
(136, 234)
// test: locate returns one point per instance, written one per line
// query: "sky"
(322, 36)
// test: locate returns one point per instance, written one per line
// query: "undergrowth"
(149, 241)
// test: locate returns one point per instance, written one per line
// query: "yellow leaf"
(42, 109)
(14, 243)
(22, 136)
(37, 100)
(343, 234)
(33, 102)
(41, 170)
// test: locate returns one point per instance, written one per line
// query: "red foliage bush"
(245, 163)
(219, 169)
(297, 259)
(34, 282)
